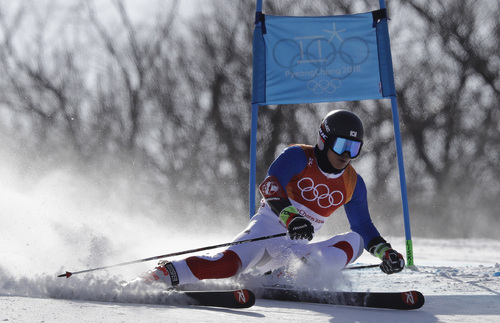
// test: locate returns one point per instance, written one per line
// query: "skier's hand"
(392, 262)
(300, 228)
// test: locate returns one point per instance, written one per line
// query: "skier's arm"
(274, 194)
(359, 215)
(360, 220)
(291, 162)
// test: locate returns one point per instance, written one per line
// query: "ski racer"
(303, 187)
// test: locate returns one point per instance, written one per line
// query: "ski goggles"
(341, 145)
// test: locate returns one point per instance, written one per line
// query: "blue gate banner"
(322, 59)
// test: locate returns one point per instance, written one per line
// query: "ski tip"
(244, 297)
(67, 275)
(413, 299)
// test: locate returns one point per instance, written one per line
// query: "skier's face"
(338, 161)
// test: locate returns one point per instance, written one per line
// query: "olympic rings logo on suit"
(311, 193)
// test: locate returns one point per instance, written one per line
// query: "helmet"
(341, 130)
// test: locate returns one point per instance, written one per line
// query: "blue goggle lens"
(341, 145)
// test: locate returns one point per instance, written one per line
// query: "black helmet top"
(339, 123)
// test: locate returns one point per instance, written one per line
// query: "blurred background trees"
(158, 107)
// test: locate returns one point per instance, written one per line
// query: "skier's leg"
(332, 254)
(226, 264)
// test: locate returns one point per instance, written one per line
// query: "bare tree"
(173, 99)
(449, 96)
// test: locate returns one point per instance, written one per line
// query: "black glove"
(392, 262)
(300, 228)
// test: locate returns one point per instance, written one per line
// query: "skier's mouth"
(343, 160)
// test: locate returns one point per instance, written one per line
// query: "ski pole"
(69, 274)
(361, 267)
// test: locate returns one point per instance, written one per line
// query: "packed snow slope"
(457, 278)
(64, 223)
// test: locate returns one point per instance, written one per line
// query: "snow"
(65, 222)
(457, 278)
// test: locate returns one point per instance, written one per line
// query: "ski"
(242, 298)
(408, 300)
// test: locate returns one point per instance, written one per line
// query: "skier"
(303, 187)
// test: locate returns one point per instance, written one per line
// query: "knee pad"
(352, 245)
(224, 265)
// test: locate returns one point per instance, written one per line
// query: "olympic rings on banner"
(328, 86)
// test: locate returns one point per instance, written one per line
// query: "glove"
(298, 226)
(392, 261)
